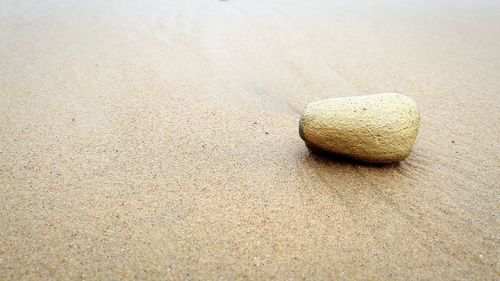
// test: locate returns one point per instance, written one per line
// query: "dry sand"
(158, 140)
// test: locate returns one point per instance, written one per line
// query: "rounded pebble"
(379, 128)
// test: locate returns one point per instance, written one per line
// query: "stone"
(379, 128)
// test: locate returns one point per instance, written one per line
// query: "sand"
(158, 140)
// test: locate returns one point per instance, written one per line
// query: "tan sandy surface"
(158, 140)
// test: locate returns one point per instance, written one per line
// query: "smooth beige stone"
(379, 128)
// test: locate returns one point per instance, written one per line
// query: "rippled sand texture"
(158, 140)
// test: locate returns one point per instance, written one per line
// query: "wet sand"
(158, 140)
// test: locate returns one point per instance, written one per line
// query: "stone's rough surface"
(379, 128)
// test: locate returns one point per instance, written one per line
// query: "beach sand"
(158, 140)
